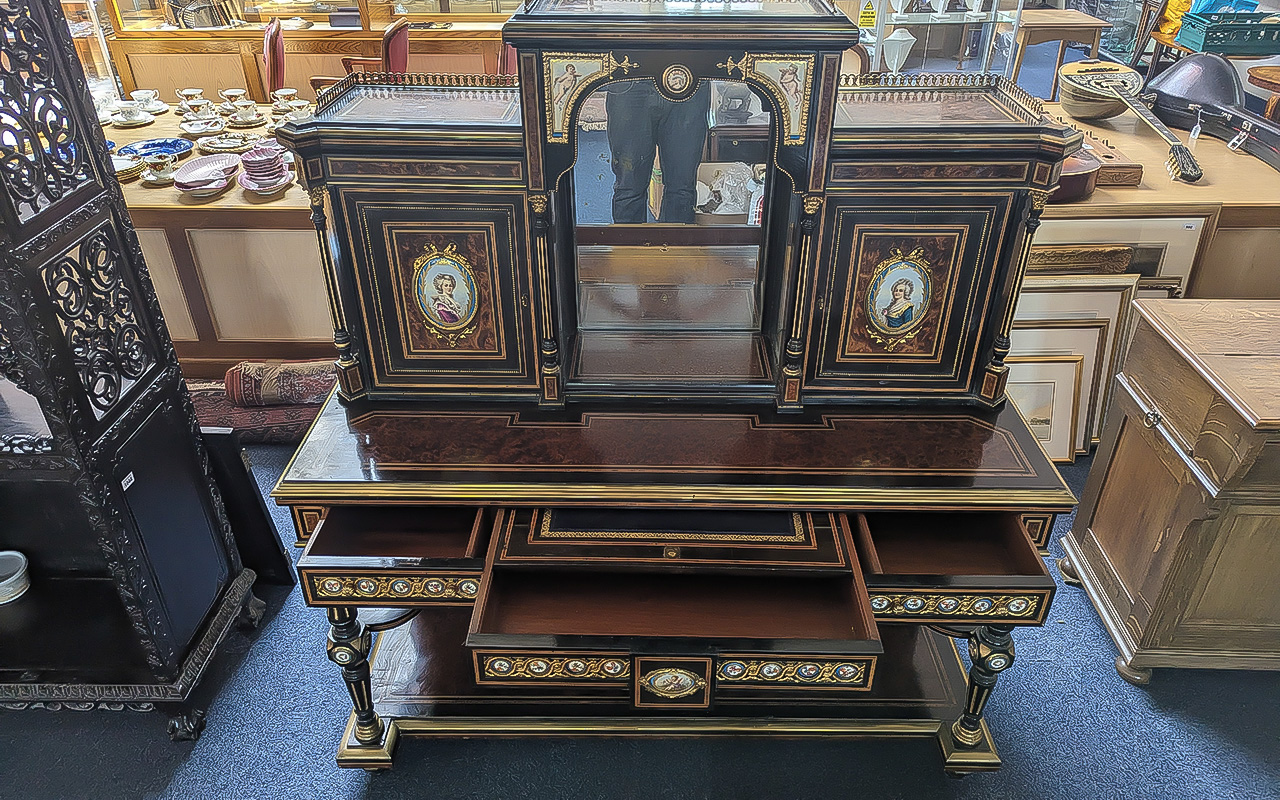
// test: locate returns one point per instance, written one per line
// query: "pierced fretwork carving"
(39, 161)
(97, 314)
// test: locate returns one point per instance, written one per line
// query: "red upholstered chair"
(507, 62)
(395, 56)
(273, 56)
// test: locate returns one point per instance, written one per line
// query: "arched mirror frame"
(800, 132)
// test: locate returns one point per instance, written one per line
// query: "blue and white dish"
(152, 147)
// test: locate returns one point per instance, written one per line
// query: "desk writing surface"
(840, 456)
(1234, 344)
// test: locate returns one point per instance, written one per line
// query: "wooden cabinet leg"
(349, 648)
(991, 652)
(1069, 575)
(1135, 675)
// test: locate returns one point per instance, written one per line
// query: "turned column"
(349, 648)
(990, 653)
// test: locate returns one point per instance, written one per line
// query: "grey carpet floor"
(1065, 724)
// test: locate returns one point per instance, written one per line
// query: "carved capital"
(812, 204)
(1039, 198)
(316, 193)
(538, 204)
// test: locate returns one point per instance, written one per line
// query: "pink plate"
(207, 168)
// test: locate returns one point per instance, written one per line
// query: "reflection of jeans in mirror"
(640, 121)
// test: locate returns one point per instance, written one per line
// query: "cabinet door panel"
(905, 291)
(443, 290)
(1134, 527)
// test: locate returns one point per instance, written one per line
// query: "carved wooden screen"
(81, 332)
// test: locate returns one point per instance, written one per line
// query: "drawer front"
(442, 287)
(673, 681)
(905, 296)
(403, 588)
(963, 567)
(899, 604)
(1169, 385)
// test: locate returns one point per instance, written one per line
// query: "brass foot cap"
(1135, 675)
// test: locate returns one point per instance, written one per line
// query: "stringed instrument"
(1106, 81)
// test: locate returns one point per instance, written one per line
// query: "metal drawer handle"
(1152, 419)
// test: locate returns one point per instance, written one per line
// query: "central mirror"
(670, 197)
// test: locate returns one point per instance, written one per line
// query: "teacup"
(246, 110)
(201, 108)
(129, 110)
(145, 97)
(161, 164)
(231, 95)
(299, 109)
(188, 95)
(283, 97)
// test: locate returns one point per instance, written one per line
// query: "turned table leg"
(349, 648)
(991, 652)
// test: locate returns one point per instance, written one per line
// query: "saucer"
(158, 107)
(229, 142)
(205, 168)
(203, 127)
(152, 179)
(121, 122)
(236, 122)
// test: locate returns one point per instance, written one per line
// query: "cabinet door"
(1139, 502)
(905, 287)
(443, 290)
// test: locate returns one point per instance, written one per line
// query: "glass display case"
(941, 35)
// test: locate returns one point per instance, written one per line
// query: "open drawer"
(395, 556)
(671, 637)
(966, 567)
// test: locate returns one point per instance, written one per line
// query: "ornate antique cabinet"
(721, 452)
(104, 483)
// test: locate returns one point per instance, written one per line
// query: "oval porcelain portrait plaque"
(445, 287)
(672, 683)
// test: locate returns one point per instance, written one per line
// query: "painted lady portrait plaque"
(445, 288)
(898, 298)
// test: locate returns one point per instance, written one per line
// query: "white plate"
(158, 107)
(207, 127)
(121, 122)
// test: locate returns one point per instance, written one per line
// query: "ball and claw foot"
(251, 613)
(1135, 675)
(1069, 575)
(186, 726)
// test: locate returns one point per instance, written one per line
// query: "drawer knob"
(1152, 419)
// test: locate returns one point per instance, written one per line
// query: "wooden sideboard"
(1176, 537)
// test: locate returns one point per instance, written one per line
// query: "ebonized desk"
(827, 614)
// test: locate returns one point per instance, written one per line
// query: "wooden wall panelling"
(164, 275)
(169, 72)
(210, 355)
(262, 284)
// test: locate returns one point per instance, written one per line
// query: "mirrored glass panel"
(669, 199)
(23, 427)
